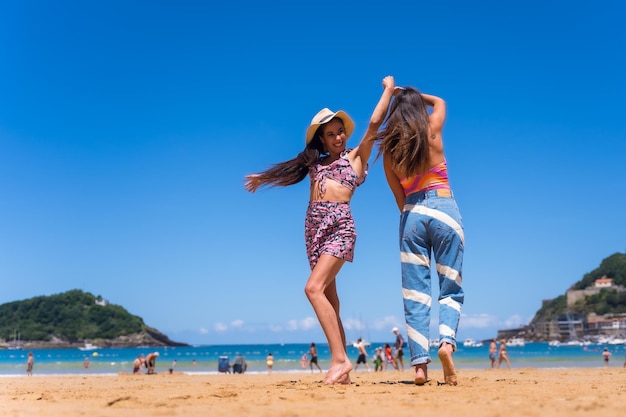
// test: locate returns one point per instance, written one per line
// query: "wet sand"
(486, 393)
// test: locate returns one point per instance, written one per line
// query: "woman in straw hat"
(416, 171)
(330, 235)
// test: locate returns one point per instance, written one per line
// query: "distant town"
(575, 328)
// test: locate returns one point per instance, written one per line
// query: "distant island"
(593, 308)
(74, 319)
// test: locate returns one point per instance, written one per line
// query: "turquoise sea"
(204, 359)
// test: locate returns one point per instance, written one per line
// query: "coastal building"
(572, 325)
(601, 326)
(101, 302)
(599, 284)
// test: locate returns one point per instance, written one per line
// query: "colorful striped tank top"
(434, 179)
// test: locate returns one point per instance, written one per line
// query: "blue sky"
(127, 127)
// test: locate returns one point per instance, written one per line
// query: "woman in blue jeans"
(430, 223)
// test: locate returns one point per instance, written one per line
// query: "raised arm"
(364, 150)
(438, 115)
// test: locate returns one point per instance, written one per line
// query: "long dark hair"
(296, 169)
(404, 136)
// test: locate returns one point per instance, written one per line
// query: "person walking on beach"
(362, 358)
(313, 360)
(30, 362)
(330, 235)
(269, 361)
(493, 349)
(398, 345)
(416, 170)
(503, 355)
(606, 355)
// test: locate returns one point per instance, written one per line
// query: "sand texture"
(486, 393)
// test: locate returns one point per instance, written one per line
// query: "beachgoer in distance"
(378, 359)
(86, 362)
(151, 361)
(493, 349)
(606, 355)
(389, 359)
(416, 171)
(173, 367)
(30, 362)
(362, 355)
(269, 361)
(398, 345)
(503, 355)
(330, 235)
(240, 365)
(138, 363)
(313, 360)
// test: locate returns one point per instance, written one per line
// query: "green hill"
(606, 302)
(577, 312)
(72, 317)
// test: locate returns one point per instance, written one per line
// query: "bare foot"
(445, 356)
(345, 380)
(338, 373)
(421, 374)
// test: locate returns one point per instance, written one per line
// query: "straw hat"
(326, 115)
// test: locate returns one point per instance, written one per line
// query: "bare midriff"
(334, 192)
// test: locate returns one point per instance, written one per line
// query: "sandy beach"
(486, 393)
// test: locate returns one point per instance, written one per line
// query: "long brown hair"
(404, 136)
(296, 169)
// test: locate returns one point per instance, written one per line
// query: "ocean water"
(287, 358)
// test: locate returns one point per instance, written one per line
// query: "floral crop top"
(339, 170)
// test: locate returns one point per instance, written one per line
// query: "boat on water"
(469, 342)
(89, 346)
(16, 342)
(516, 341)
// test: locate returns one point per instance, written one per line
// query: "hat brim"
(348, 124)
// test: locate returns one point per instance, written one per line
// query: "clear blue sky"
(127, 127)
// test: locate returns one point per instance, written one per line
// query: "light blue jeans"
(431, 223)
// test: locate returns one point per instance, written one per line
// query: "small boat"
(516, 341)
(89, 346)
(16, 342)
(472, 343)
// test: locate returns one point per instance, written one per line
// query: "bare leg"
(322, 294)
(333, 298)
(445, 356)
(331, 294)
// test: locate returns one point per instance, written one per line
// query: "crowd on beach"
(384, 357)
